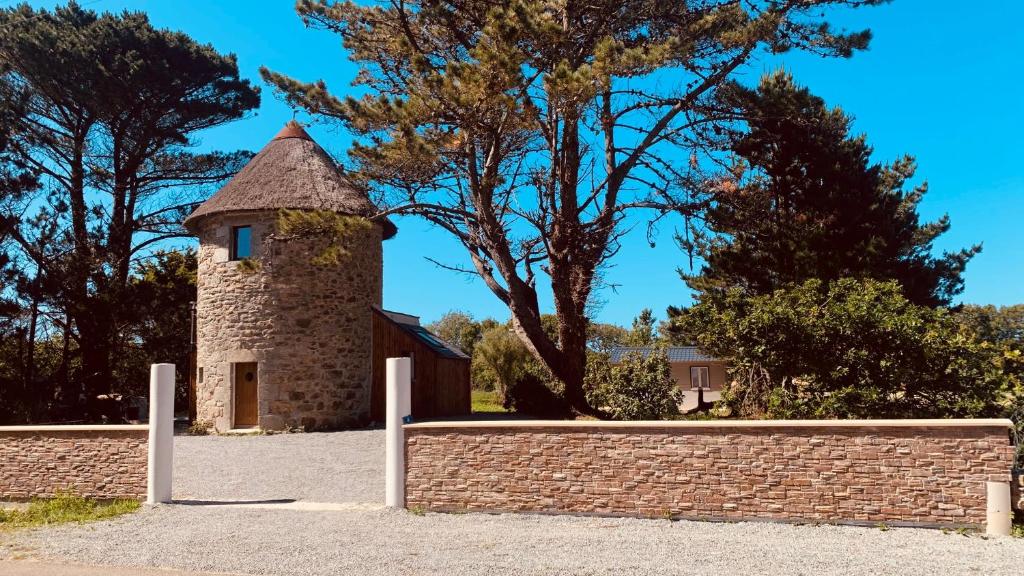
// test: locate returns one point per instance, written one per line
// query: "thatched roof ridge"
(291, 171)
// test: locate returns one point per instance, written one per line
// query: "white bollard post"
(1000, 515)
(161, 433)
(398, 406)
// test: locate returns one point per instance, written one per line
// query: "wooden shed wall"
(440, 385)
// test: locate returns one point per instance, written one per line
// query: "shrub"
(200, 428)
(637, 388)
(848, 349)
(64, 508)
(1016, 414)
(504, 357)
(536, 395)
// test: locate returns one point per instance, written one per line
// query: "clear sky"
(942, 81)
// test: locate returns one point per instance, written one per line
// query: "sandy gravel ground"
(318, 467)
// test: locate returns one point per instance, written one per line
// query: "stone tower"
(282, 342)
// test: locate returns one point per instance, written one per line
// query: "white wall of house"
(717, 377)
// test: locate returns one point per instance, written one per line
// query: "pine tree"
(643, 332)
(531, 129)
(805, 201)
(16, 181)
(112, 106)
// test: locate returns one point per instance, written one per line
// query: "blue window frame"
(241, 242)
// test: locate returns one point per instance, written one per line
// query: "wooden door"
(245, 394)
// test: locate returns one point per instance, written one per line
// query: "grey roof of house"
(291, 171)
(675, 353)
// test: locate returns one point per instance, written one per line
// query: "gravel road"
(366, 539)
(317, 467)
(384, 542)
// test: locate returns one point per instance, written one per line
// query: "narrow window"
(200, 378)
(699, 378)
(241, 242)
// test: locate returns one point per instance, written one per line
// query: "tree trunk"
(94, 345)
(29, 374)
(567, 361)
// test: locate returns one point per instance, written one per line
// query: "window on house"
(241, 242)
(200, 375)
(700, 378)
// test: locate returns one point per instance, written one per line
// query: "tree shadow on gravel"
(233, 502)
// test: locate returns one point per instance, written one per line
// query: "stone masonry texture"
(915, 476)
(99, 464)
(308, 327)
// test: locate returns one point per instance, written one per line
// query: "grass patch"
(486, 402)
(62, 509)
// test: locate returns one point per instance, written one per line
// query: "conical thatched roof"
(292, 171)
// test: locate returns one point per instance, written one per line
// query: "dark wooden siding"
(440, 385)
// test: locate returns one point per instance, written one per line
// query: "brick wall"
(910, 472)
(100, 462)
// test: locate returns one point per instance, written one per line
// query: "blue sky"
(941, 81)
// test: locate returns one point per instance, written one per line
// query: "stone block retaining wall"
(923, 472)
(102, 462)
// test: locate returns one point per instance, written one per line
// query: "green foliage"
(603, 337)
(17, 180)
(486, 402)
(200, 428)
(62, 509)
(1015, 412)
(999, 325)
(157, 318)
(643, 332)
(155, 324)
(460, 329)
(502, 354)
(804, 201)
(249, 266)
(637, 388)
(336, 230)
(1002, 330)
(851, 349)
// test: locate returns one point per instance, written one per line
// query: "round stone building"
(281, 341)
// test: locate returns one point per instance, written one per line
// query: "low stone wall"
(102, 462)
(923, 472)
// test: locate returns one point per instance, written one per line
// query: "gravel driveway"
(316, 467)
(367, 539)
(385, 542)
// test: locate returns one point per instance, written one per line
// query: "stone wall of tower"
(308, 327)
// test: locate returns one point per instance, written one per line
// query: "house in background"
(692, 370)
